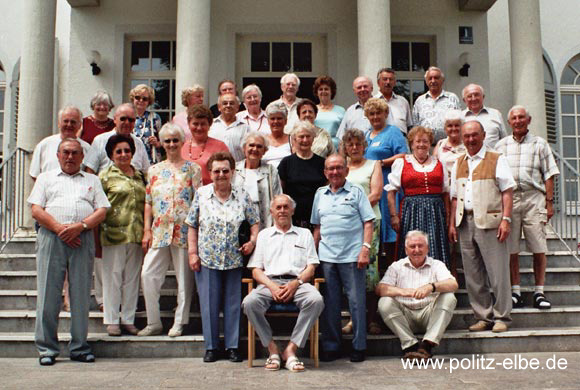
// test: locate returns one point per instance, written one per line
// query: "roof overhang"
(475, 5)
(84, 3)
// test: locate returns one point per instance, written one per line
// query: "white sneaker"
(151, 330)
(175, 331)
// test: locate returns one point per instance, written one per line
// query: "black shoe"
(541, 302)
(329, 356)
(517, 301)
(357, 356)
(47, 360)
(211, 355)
(84, 358)
(233, 355)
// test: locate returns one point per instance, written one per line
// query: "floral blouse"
(145, 126)
(169, 193)
(218, 225)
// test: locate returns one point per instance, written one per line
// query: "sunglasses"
(141, 98)
(170, 140)
(123, 150)
(127, 118)
(222, 171)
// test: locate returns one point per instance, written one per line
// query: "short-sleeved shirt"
(232, 135)
(284, 253)
(492, 123)
(354, 118)
(430, 112)
(218, 226)
(124, 221)
(170, 192)
(403, 274)
(68, 198)
(399, 111)
(44, 158)
(341, 216)
(97, 158)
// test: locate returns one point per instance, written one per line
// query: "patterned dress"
(145, 126)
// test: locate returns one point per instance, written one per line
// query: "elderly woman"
(201, 146)
(99, 122)
(190, 96)
(449, 149)
(215, 254)
(385, 144)
(260, 180)
(322, 143)
(254, 116)
(302, 173)
(279, 141)
(329, 114)
(121, 235)
(170, 189)
(369, 175)
(148, 123)
(424, 183)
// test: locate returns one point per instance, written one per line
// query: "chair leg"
(250, 345)
(315, 342)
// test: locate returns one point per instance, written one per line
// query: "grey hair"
(431, 68)
(169, 129)
(292, 201)
(356, 134)
(255, 134)
(249, 88)
(70, 140)
(303, 125)
(220, 98)
(70, 108)
(275, 108)
(472, 85)
(453, 115)
(518, 107)
(102, 97)
(285, 77)
(415, 233)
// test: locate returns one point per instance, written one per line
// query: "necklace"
(248, 121)
(419, 161)
(191, 157)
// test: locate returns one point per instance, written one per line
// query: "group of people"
(370, 190)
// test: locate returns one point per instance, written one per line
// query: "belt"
(285, 276)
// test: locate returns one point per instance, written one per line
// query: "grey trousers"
(53, 259)
(307, 299)
(432, 319)
(485, 262)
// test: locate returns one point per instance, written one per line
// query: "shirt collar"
(443, 93)
(479, 155)
(468, 112)
(525, 139)
(235, 123)
(346, 187)
(61, 172)
(407, 263)
(276, 231)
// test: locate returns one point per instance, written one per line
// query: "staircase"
(532, 330)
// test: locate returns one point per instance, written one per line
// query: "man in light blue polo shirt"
(343, 219)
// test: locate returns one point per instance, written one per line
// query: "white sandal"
(294, 365)
(273, 359)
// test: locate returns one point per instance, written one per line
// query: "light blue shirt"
(341, 216)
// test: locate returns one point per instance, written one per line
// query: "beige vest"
(487, 204)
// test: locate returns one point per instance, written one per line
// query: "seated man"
(417, 295)
(283, 264)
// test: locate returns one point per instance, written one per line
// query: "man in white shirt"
(283, 264)
(354, 117)
(490, 118)
(227, 128)
(399, 109)
(289, 84)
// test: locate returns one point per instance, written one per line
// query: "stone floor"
(376, 373)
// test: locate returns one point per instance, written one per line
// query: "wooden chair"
(283, 310)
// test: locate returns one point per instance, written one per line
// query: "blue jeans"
(348, 277)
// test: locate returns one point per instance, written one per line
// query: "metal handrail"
(12, 202)
(565, 222)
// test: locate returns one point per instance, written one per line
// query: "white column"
(374, 37)
(527, 66)
(35, 116)
(193, 50)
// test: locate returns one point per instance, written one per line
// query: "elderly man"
(399, 110)
(490, 118)
(225, 86)
(283, 264)
(124, 119)
(44, 157)
(533, 167)
(227, 127)
(481, 192)
(430, 108)
(417, 296)
(289, 84)
(354, 117)
(343, 219)
(67, 203)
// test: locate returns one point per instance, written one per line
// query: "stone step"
(557, 339)
(554, 276)
(558, 295)
(21, 245)
(17, 262)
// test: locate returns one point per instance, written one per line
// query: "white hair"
(416, 233)
(303, 126)
(220, 98)
(285, 77)
(518, 107)
(70, 108)
(453, 115)
(254, 135)
(469, 86)
(171, 129)
(432, 68)
(250, 88)
(292, 201)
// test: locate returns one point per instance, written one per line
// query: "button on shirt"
(531, 161)
(341, 216)
(492, 123)
(284, 253)
(354, 118)
(503, 176)
(232, 135)
(68, 198)
(399, 111)
(218, 225)
(44, 157)
(97, 158)
(403, 274)
(430, 112)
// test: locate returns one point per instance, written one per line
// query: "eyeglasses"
(222, 171)
(123, 150)
(170, 140)
(127, 118)
(141, 98)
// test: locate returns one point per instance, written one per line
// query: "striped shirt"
(492, 123)
(403, 274)
(531, 161)
(232, 135)
(68, 198)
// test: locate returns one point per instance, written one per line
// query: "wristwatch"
(300, 281)
(367, 245)
(504, 218)
(85, 226)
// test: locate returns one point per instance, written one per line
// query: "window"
(411, 58)
(550, 99)
(152, 62)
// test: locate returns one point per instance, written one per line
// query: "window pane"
(403, 88)
(568, 125)
(136, 82)
(419, 88)
(567, 104)
(568, 76)
(1, 128)
(260, 56)
(400, 55)
(164, 117)
(2, 92)
(174, 58)
(574, 163)
(160, 55)
(172, 95)
(140, 55)
(569, 147)
(161, 88)
(420, 56)
(302, 57)
(280, 56)
(571, 191)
